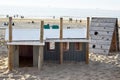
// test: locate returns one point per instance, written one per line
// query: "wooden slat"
(102, 24)
(99, 51)
(26, 43)
(103, 37)
(99, 46)
(10, 52)
(102, 42)
(101, 33)
(101, 29)
(105, 20)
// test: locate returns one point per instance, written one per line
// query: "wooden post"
(40, 57)
(117, 34)
(10, 52)
(41, 32)
(113, 46)
(87, 46)
(115, 40)
(61, 44)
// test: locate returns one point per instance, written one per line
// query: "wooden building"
(34, 46)
(104, 35)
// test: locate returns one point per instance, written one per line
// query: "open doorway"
(25, 56)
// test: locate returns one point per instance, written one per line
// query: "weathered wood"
(61, 44)
(41, 31)
(34, 43)
(10, 52)
(100, 43)
(68, 40)
(35, 56)
(40, 57)
(99, 46)
(99, 51)
(101, 29)
(81, 48)
(61, 28)
(105, 20)
(10, 29)
(113, 46)
(87, 46)
(16, 56)
(103, 37)
(117, 35)
(107, 33)
(102, 24)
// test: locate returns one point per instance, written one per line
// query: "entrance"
(25, 56)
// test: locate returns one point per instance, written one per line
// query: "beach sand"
(101, 67)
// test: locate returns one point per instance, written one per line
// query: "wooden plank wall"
(102, 33)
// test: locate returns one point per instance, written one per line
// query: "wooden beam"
(117, 34)
(40, 57)
(87, 46)
(61, 44)
(113, 46)
(10, 52)
(115, 39)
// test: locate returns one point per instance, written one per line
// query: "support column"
(15, 56)
(10, 52)
(61, 44)
(40, 57)
(87, 44)
(35, 55)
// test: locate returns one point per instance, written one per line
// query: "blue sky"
(82, 4)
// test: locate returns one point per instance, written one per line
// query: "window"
(51, 46)
(66, 46)
(78, 46)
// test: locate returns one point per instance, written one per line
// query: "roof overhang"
(37, 43)
(26, 43)
(67, 40)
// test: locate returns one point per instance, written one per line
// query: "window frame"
(48, 46)
(78, 46)
(66, 46)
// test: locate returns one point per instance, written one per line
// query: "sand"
(27, 23)
(101, 67)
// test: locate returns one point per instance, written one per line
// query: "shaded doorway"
(25, 56)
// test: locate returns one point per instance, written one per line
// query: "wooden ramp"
(104, 35)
